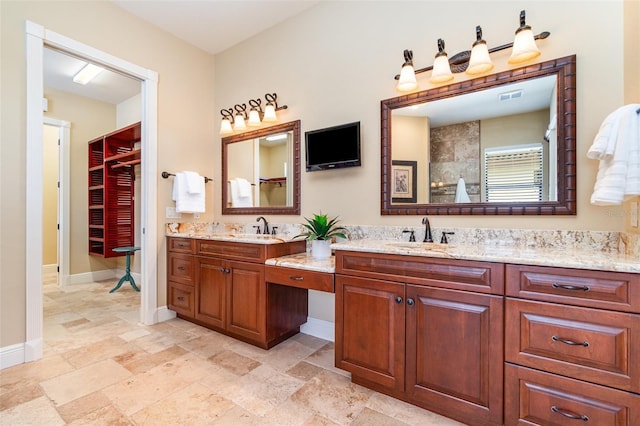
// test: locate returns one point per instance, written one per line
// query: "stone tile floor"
(101, 367)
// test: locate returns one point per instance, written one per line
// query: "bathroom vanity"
(220, 284)
(436, 327)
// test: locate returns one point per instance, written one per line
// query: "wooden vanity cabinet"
(230, 292)
(409, 327)
(572, 346)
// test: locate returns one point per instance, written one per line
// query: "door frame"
(37, 37)
(64, 204)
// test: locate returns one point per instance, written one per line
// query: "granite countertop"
(567, 258)
(233, 237)
(304, 261)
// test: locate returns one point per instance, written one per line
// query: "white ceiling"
(211, 25)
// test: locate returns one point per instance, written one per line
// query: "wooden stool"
(127, 275)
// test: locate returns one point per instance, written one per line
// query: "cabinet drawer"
(588, 344)
(180, 245)
(180, 268)
(313, 280)
(481, 277)
(537, 398)
(598, 289)
(181, 299)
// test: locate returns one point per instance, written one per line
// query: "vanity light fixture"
(238, 114)
(87, 73)
(241, 115)
(407, 81)
(441, 68)
(524, 44)
(225, 125)
(271, 108)
(480, 61)
(473, 62)
(254, 112)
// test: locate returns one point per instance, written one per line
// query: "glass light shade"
(480, 61)
(239, 123)
(254, 118)
(225, 127)
(407, 81)
(441, 70)
(524, 46)
(269, 114)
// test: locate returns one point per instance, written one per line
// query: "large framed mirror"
(502, 144)
(261, 171)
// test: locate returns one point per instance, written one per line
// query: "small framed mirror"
(502, 144)
(261, 171)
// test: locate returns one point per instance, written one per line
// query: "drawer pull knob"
(294, 278)
(570, 287)
(410, 302)
(569, 414)
(569, 342)
(180, 268)
(398, 299)
(181, 298)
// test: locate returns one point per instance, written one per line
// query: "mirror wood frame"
(292, 126)
(565, 71)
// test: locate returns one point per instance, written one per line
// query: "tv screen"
(333, 147)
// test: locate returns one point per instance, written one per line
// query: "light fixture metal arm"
(460, 60)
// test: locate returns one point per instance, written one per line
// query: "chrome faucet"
(427, 231)
(266, 224)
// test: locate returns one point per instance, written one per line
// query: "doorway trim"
(64, 206)
(36, 38)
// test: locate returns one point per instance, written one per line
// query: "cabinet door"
(455, 352)
(211, 291)
(370, 327)
(247, 301)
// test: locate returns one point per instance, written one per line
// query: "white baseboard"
(89, 277)
(49, 269)
(164, 314)
(319, 328)
(11, 355)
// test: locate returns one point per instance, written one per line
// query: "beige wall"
(89, 119)
(336, 61)
(631, 73)
(185, 115)
(414, 134)
(50, 195)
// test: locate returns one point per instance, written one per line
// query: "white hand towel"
(244, 187)
(461, 192)
(185, 202)
(195, 183)
(236, 199)
(619, 174)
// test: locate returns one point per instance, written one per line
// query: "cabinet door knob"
(398, 299)
(295, 278)
(410, 302)
(569, 415)
(569, 342)
(225, 270)
(570, 287)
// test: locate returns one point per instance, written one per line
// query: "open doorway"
(37, 38)
(110, 101)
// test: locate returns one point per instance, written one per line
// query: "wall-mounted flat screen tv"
(333, 147)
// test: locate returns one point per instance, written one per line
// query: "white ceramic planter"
(321, 249)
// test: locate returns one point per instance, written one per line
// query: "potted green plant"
(320, 230)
